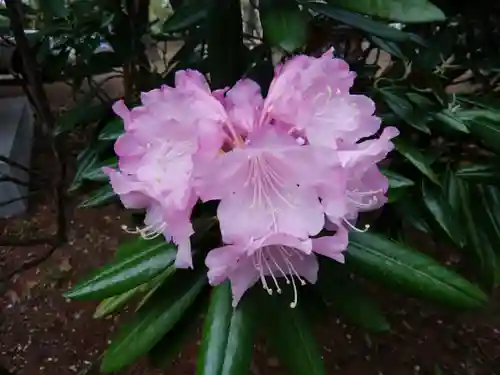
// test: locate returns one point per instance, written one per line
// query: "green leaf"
(227, 344)
(155, 319)
(114, 303)
(55, 8)
(415, 157)
(112, 130)
(442, 213)
(374, 256)
(448, 118)
(389, 47)
(451, 191)
(125, 274)
(396, 180)
(410, 211)
(404, 110)
(95, 172)
(134, 245)
(480, 252)
(99, 197)
(284, 26)
(348, 299)
(85, 161)
(168, 348)
(487, 131)
(484, 172)
(482, 224)
(360, 22)
(406, 11)
(398, 185)
(290, 336)
(80, 114)
(188, 14)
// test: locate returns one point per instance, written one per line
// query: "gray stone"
(16, 138)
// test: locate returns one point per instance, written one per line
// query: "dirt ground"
(43, 333)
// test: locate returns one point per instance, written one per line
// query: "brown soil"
(43, 333)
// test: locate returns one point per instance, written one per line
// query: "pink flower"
(274, 260)
(272, 180)
(301, 81)
(286, 169)
(277, 256)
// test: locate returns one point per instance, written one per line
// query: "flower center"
(275, 261)
(269, 189)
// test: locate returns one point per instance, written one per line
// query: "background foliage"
(431, 67)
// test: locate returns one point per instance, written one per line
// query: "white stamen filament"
(354, 228)
(266, 183)
(264, 258)
(148, 232)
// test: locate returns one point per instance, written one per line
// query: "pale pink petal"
(191, 80)
(122, 111)
(244, 103)
(220, 262)
(360, 156)
(332, 246)
(242, 279)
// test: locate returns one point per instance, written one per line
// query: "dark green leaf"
(55, 8)
(125, 274)
(188, 14)
(415, 157)
(393, 264)
(404, 110)
(451, 191)
(410, 211)
(112, 130)
(96, 173)
(360, 22)
(114, 303)
(481, 252)
(406, 11)
(81, 114)
(168, 348)
(284, 26)
(488, 172)
(442, 213)
(349, 300)
(487, 131)
(86, 160)
(448, 119)
(99, 197)
(290, 336)
(396, 180)
(487, 218)
(227, 343)
(387, 46)
(155, 319)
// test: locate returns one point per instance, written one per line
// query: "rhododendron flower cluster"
(292, 171)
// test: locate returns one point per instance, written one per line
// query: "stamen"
(365, 229)
(262, 277)
(283, 273)
(264, 257)
(278, 289)
(149, 232)
(293, 274)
